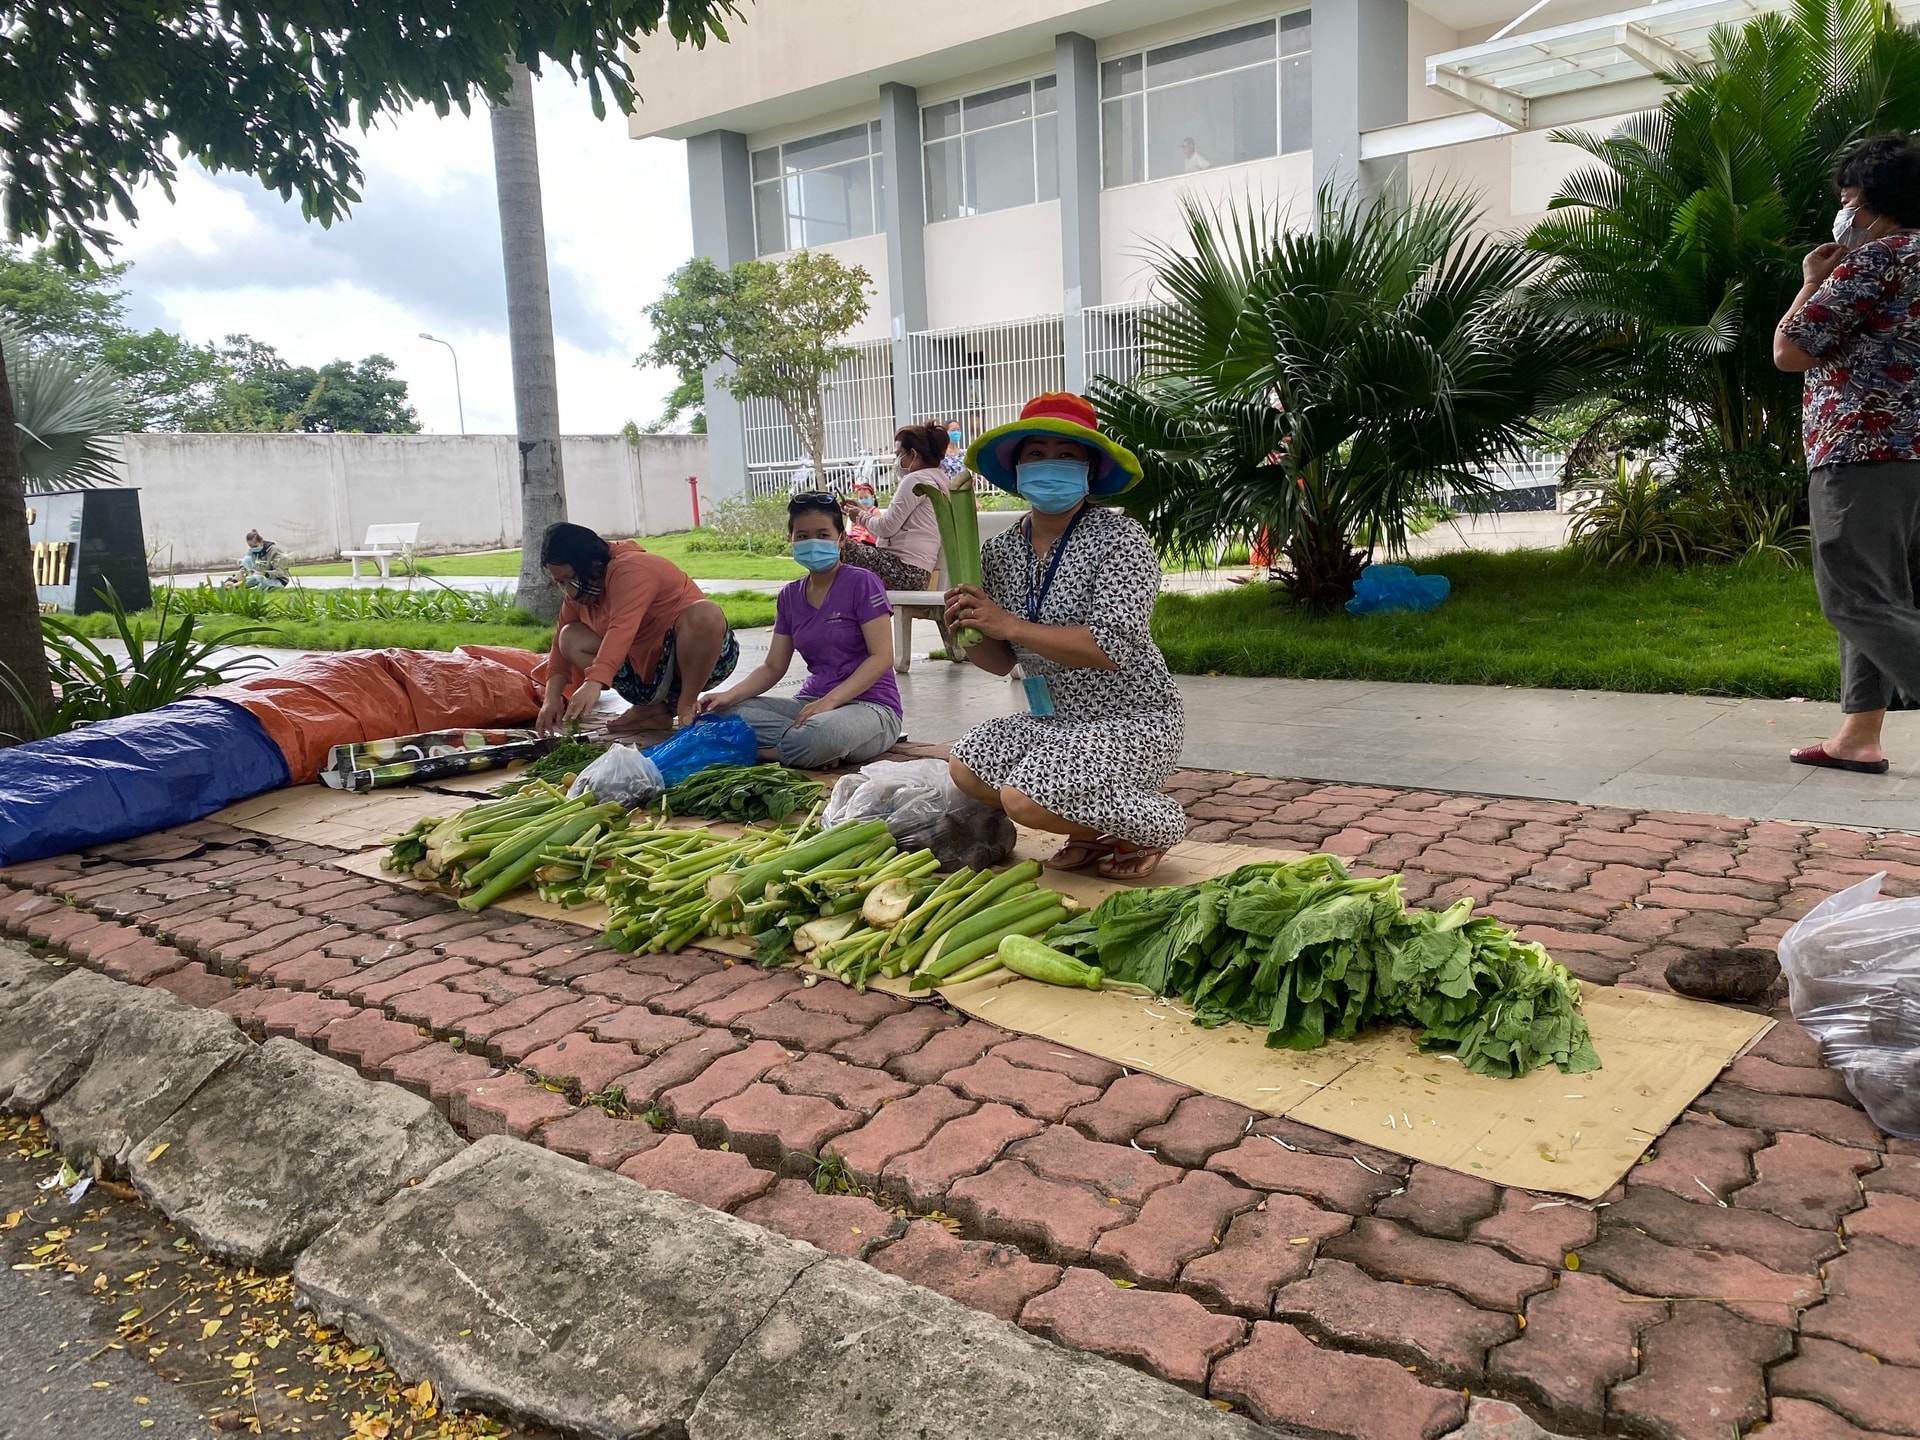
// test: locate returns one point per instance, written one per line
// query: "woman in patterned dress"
(1065, 608)
(907, 535)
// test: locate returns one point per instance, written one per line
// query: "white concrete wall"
(316, 494)
(1004, 265)
(1136, 218)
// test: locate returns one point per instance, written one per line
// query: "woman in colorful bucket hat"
(1065, 609)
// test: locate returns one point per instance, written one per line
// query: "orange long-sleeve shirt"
(643, 598)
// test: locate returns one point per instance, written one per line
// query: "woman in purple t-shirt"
(838, 618)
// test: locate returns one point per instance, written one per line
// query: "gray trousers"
(1866, 566)
(856, 732)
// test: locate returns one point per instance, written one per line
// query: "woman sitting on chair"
(908, 538)
(1066, 608)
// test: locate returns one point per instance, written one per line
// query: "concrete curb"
(518, 1280)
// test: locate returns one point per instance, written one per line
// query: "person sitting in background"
(907, 536)
(1066, 608)
(631, 620)
(264, 566)
(838, 618)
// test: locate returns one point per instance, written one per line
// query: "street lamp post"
(459, 403)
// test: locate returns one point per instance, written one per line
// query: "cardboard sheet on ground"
(1570, 1134)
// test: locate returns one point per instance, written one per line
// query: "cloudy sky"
(422, 252)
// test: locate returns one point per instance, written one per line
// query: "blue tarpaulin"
(132, 776)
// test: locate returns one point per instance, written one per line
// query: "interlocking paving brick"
(1540, 1229)
(712, 985)
(736, 1006)
(1894, 1217)
(863, 1008)
(897, 1129)
(145, 961)
(895, 1035)
(772, 1128)
(995, 1278)
(1423, 1324)
(1286, 1380)
(1769, 1077)
(1129, 1105)
(1807, 1180)
(584, 1065)
(1263, 1163)
(438, 1007)
(1055, 1219)
(366, 990)
(718, 1178)
(1829, 1119)
(1866, 1391)
(675, 1066)
(315, 970)
(1038, 1054)
(793, 1027)
(938, 1054)
(1177, 1224)
(644, 1032)
(1441, 1202)
(303, 1016)
(516, 1013)
(726, 1076)
(435, 1071)
(1735, 1229)
(367, 1040)
(1804, 1420)
(1391, 1251)
(961, 1147)
(1582, 1336)
(855, 1087)
(593, 1137)
(1121, 1171)
(619, 982)
(1644, 1265)
(1200, 1127)
(1170, 1336)
(1898, 1174)
(1868, 1288)
(1701, 1159)
(514, 1046)
(1263, 1249)
(505, 1105)
(1701, 1375)
(849, 1225)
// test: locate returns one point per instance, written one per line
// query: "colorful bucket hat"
(1115, 468)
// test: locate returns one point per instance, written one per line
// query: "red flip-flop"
(1817, 755)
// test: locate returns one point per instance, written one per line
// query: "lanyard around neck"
(1036, 599)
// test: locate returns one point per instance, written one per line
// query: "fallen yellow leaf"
(209, 1329)
(157, 1151)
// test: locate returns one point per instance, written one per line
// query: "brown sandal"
(1131, 862)
(1079, 854)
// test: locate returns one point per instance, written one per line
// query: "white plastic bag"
(1853, 979)
(910, 795)
(622, 775)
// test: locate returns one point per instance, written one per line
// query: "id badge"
(1039, 696)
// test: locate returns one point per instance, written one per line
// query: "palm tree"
(536, 390)
(1324, 386)
(64, 409)
(1684, 245)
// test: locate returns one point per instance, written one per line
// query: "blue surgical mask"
(956, 437)
(1052, 486)
(817, 555)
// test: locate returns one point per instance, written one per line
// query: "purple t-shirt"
(829, 638)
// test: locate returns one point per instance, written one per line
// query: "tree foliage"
(778, 325)
(1326, 386)
(1684, 243)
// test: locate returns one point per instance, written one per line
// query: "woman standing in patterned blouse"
(1065, 608)
(1854, 329)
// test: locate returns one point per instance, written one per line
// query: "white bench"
(912, 605)
(382, 544)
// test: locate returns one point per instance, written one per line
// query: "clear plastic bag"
(623, 775)
(910, 795)
(1853, 978)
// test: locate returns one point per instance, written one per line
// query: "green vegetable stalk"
(958, 519)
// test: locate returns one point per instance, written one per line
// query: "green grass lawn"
(720, 565)
(1535, 618)
(743, 611)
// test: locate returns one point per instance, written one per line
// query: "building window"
(1243, 94)
(818, 190)
(991, 151)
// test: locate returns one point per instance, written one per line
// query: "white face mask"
(1846, 232)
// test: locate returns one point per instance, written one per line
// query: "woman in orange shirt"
(635, 622)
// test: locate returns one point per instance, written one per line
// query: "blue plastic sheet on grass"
(132, 776)
(1382, 588)
(710, 740)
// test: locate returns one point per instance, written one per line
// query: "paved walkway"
(1762, 1264)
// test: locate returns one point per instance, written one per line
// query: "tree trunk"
(536, 390)
(20, 648)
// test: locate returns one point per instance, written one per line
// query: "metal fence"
(982, 375)
(860, 426)
(1113, 339)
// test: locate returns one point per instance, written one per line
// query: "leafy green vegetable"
(746, 793)
(567, 757)
(1309, 952)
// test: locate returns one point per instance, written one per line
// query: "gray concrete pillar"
(904, 214)
(1359, 83)
(720, 190)
(1078, 129)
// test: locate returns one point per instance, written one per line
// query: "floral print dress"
(1862, 326)
(1101, 758)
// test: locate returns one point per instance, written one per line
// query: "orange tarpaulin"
(321, 701)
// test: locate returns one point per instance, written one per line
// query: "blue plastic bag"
(1383, 588)
(710, 740)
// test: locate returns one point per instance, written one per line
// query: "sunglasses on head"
(812, 500)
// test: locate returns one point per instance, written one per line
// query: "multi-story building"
(1004, 169)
